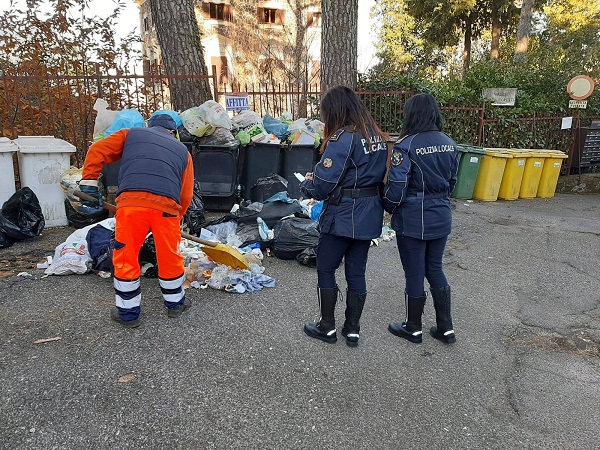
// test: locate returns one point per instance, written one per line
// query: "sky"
(129, 19)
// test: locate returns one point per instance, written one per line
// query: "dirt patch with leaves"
(580, 343)
(24, 256)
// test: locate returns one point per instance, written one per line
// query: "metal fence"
(62, 106)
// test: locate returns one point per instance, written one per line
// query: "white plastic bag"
(104, 117)
(73, 256)
(246, 119)
(193, 122)
(214, 114)
(298, 125)
(317, 126)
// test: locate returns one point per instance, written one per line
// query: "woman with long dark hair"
(421, 178)
(349, 178)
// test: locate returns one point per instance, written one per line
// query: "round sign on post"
(580, 87)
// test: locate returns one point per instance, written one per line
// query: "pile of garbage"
(210, 124)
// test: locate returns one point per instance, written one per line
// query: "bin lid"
(536, 153)
(470, 149)
(519, 152)
(6, 145)
(498, 153)
(554, 154)
(43, 144)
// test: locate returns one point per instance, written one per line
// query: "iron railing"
(62, 106)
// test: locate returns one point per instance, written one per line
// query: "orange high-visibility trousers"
(132, 226)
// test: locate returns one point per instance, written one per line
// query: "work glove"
(90, 187)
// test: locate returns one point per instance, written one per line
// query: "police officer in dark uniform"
(349, 177)
(421, 178)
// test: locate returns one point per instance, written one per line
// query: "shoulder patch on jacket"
(397, 158)
(335, 136)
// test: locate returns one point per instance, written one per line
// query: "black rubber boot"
(441, 302)
(114, 315)
(179, 309)
(410, 329)
(324, 329)
(354, 307)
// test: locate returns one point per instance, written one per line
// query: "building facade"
(250, 41)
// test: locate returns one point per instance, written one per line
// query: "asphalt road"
(237, 372)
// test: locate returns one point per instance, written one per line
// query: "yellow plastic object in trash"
(532, 174)
(550, 173)
(513, 174)
(490, 174)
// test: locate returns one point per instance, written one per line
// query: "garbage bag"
(308, 257)
(275, 127)
(21, 216)
(79, 220)
(104, 117)
(219, 136)
(194, 123)
(271, 213)
(194, 216)
(169, 112)
(248, 233)
(214, 114)
(294, 235)
(126, 118)
(5, 241)
(101, 243)
(185, 136)
(267, 187)
(246, 119)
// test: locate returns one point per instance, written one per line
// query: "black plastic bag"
(249, 234)
(80, 220)
(5, 241)
(308, 257)
(194, 217)
(267, 187)
(271, 213)
(294, 235)
(21, 217)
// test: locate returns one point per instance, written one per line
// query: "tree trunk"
(181, 52)
(523, 31)
(495, 47)
(339, 43)
(467, 45)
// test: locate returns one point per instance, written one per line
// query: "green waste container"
(468, 168)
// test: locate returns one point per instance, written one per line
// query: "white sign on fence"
(500, 96)
(578, 104)
(236, 101)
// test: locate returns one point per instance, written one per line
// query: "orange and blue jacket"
(156, 172)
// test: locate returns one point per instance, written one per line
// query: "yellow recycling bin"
(532, 174)
(550, 173)
(490, 174)
(513, 175)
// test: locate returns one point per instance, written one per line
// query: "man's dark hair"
(421, 113)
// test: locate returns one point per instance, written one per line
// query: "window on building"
(217, 11)
(271, 15)
(314, 19)
(146, 23)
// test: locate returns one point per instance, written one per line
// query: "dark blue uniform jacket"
(349, 161)
(421, 178)
(153, 161)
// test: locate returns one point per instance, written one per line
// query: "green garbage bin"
(468, 168)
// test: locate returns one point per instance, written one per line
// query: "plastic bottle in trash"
(263, 230)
